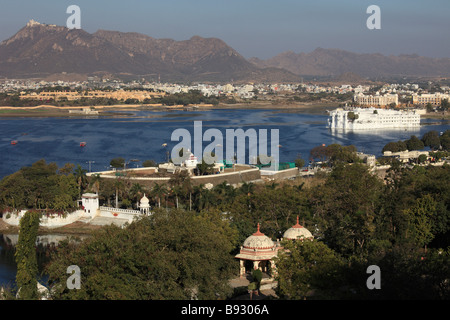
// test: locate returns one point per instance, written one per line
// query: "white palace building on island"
(372, 118)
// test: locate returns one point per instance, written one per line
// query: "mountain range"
(41, 50)
(335, 62)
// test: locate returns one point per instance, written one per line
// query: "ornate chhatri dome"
(258, 240)
(258, 247)
(144, 200)
(144, 205)
(297, 232)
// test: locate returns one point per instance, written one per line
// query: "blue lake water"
(142, 135)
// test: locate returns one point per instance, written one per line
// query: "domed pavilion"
(144, 205)
(257, 253)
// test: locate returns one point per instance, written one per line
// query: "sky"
(257, 28)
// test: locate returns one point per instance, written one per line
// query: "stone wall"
(237, 177)
(48, 222)
(279, 175)
(126, 214)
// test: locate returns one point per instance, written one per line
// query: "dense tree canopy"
(40, 186)
(169, 255)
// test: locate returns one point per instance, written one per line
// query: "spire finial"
(298, 225)
(258, 233)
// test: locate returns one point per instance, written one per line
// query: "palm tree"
(95, 182)
(225, 192)
(136, 192)
(159, 191)
(80, 176)
(203, 197)
(181, 185)
(119, 186)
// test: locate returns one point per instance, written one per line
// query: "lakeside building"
(75, 95)
(376, 100)
(372, 118)
(435, 99)
(407, 156)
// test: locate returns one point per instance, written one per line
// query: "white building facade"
(372, 118)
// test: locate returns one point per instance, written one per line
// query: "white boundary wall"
(48, 222)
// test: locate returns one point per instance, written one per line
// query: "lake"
(142, 135)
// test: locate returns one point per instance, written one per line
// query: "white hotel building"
(372, 118)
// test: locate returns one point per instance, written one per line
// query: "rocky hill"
(41, 50)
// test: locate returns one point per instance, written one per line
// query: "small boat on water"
(14, 142)
(82, 144)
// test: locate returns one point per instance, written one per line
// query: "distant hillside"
(40, 50)
(334, 62)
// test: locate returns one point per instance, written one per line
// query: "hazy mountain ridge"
(334, 62)
(40, 51)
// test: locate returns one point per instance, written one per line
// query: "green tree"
(431, 139)
(352, 116)
(395, 146)
(158, 192)
(149, 163)
(118, 163)
(420, 217)
(414, 143)
(204, 168)
(27, 268)
(171, 255)
(308, 268)
(40, 186)
(445, 140)
(299, 162)
(136, 192)
(346, 207)
(445, 104)
(80, 175)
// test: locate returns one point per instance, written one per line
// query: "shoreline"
(50, 111)
(63, 111)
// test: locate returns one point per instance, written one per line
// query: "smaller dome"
(144, 200)
(297, 232)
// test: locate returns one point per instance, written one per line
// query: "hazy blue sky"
(257, 28)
